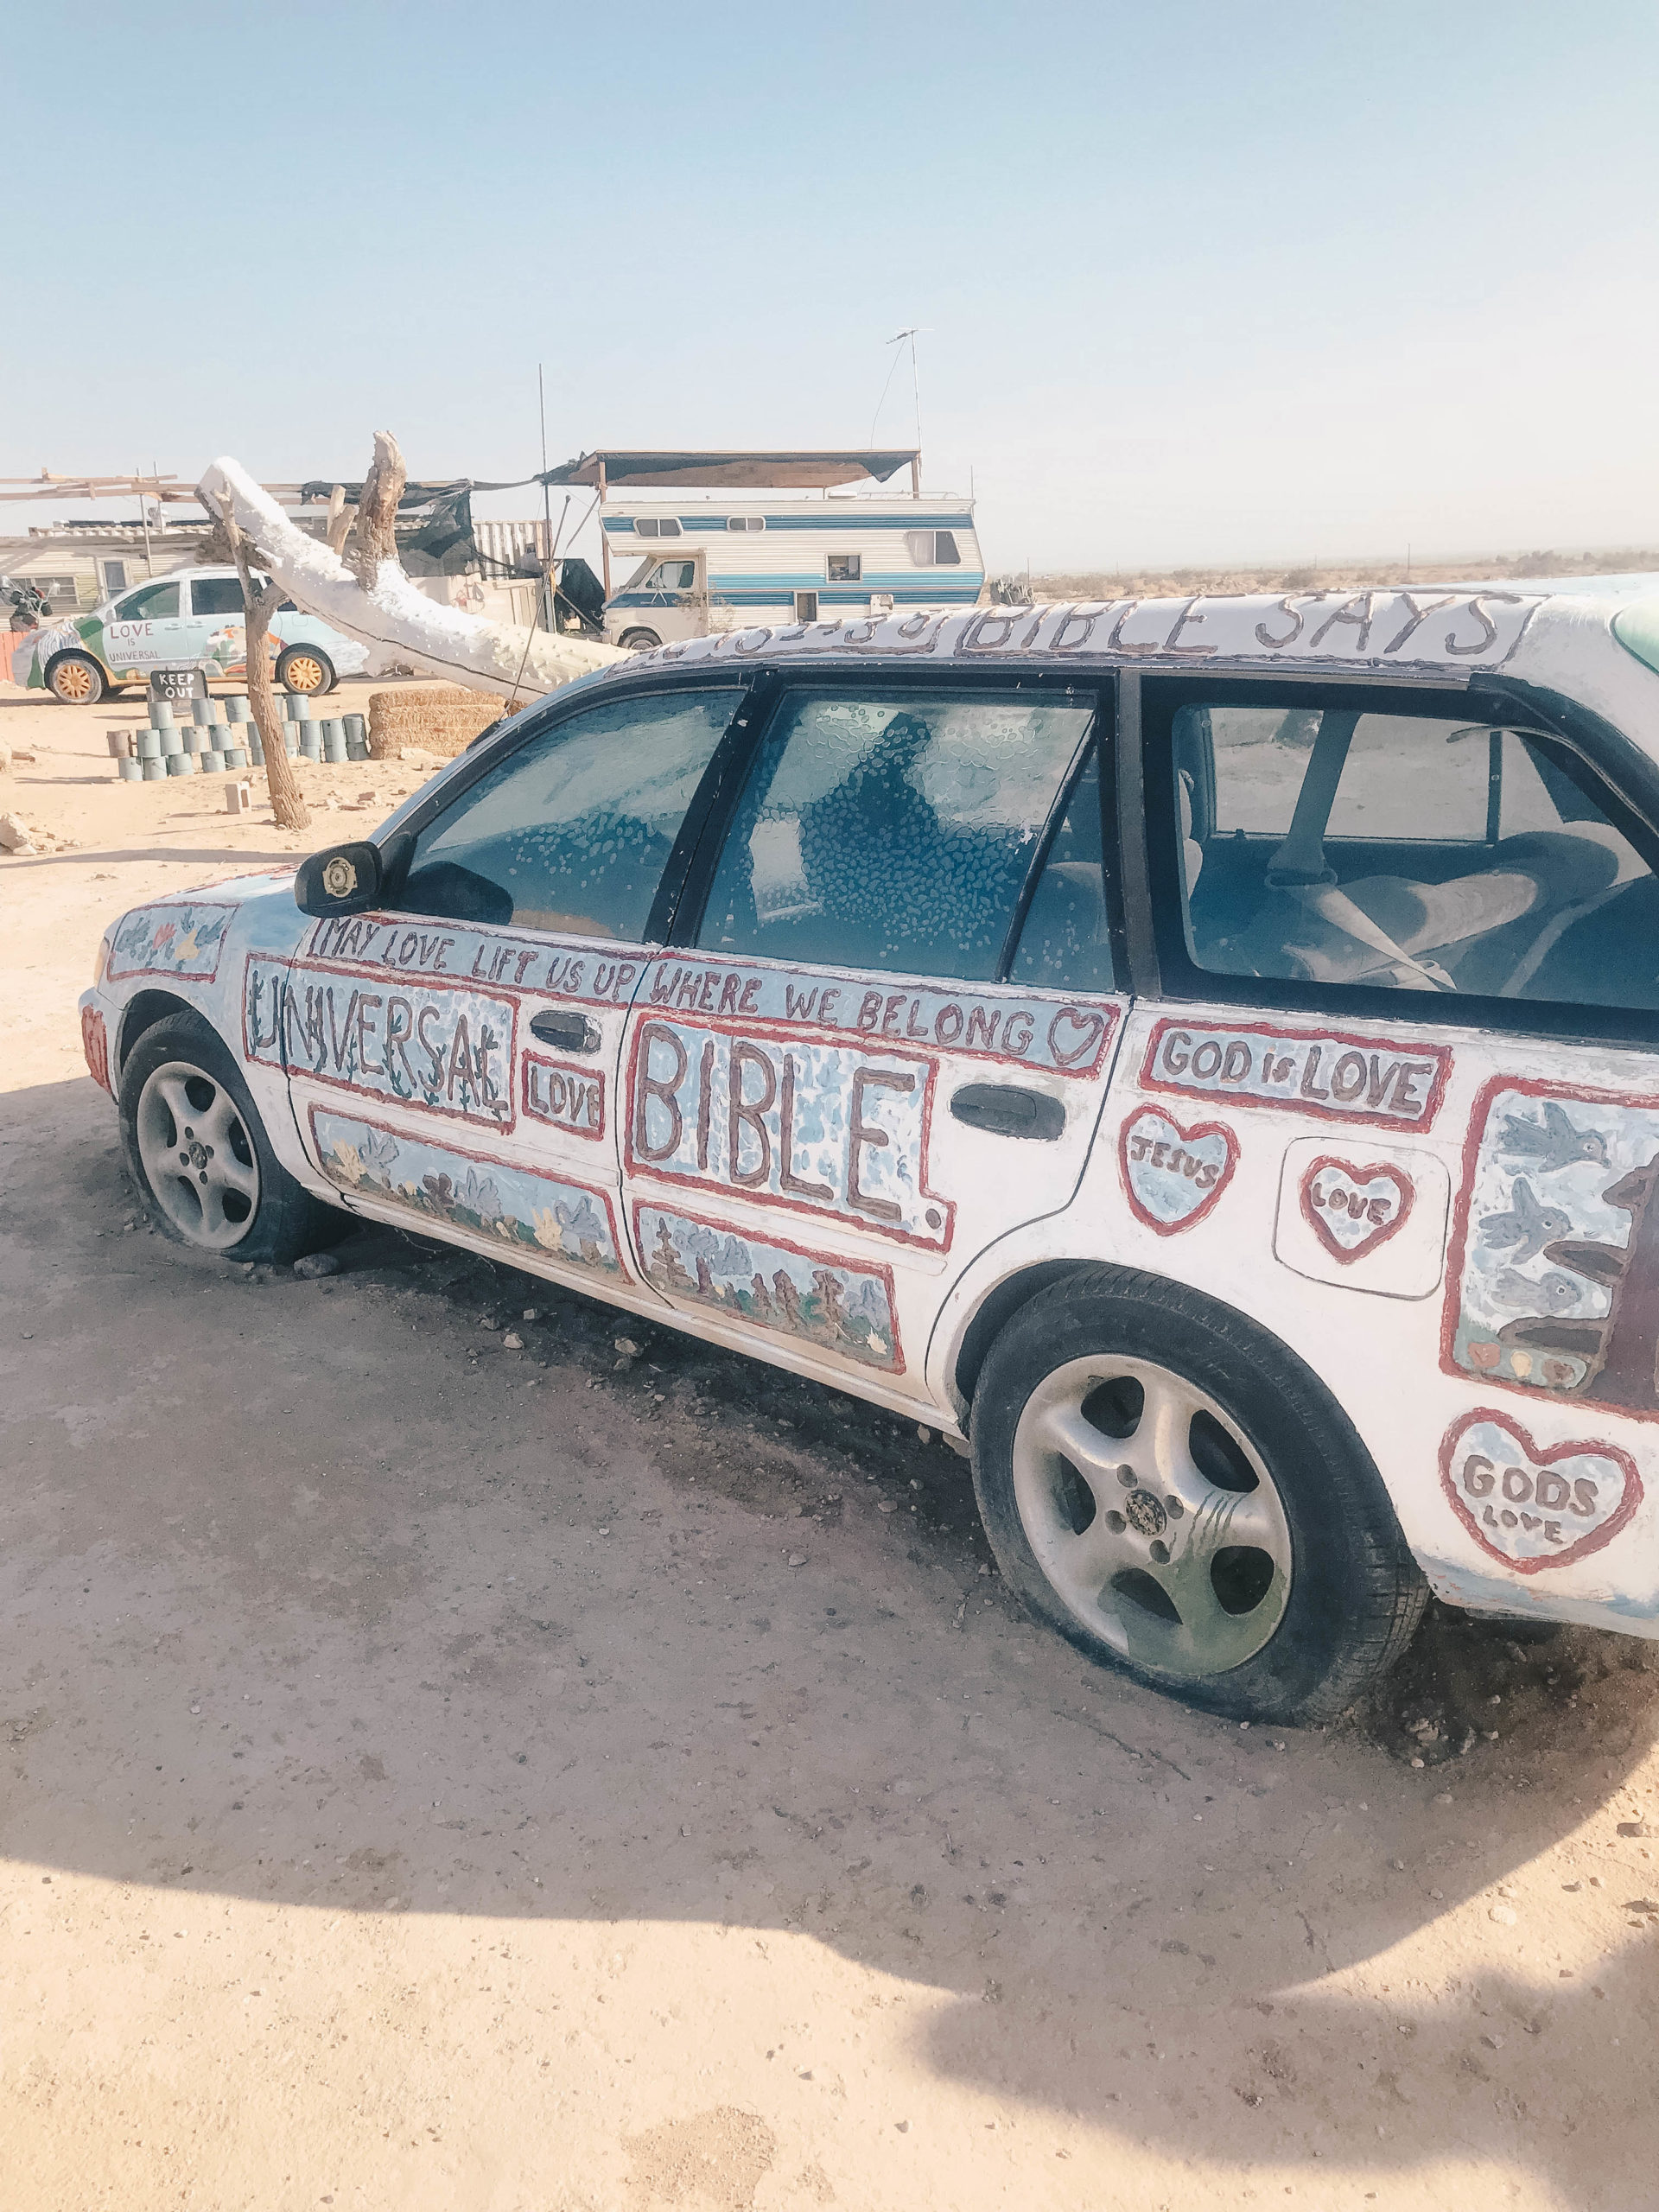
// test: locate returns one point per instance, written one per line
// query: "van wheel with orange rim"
(303, 669)
(76, 679)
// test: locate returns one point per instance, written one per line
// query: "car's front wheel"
(640, 641)
(76, 679)
(304, 670)
(1170, 1489)
(197, 1152)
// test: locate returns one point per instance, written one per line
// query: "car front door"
(453, 1059)
(879, 1040)
(150, 628)
(1409, 1018)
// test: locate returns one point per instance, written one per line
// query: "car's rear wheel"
(303, 669)
(197, 1152)
(640, 641)
(76, 679)
(1170, 1489)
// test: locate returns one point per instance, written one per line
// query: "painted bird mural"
(1556, 1141)
(1527, 1228)
(1551, 1293)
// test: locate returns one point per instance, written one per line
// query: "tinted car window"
(572, 831)
(216, 595)
(891, 832)
(1411, 852)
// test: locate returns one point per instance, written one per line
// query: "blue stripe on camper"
(619, 525)
(923, 595)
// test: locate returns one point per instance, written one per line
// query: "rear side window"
(572, 831)
(216, 595)
(154, 603)
(1325, 845)
(891, 832)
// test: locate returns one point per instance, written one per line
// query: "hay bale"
(439, 718)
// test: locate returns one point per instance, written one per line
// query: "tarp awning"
(732, 471)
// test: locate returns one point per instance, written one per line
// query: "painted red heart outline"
(1346, 1254)
(1186, 1136)
(1617, 1519)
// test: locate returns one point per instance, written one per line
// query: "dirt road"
(438, 1775)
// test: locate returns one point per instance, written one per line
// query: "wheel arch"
(143, 1011)
(992, 1315)
(81, 651)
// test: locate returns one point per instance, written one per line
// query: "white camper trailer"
(696, 542)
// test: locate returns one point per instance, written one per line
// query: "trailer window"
(746, 521)
(846, 568)
(933, 549)
(656, 526)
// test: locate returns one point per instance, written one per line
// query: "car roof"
(1443, 631)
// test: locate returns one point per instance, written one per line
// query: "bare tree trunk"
(377, 509)
(228, 540)
(340, 518)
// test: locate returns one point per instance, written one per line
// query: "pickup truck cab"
(192, 618)
(1202, 1054)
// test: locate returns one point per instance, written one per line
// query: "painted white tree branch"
(501, 657)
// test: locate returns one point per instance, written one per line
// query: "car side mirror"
(340, 880)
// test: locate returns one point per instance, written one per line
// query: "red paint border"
(1380, 1234)
(863, 981)
(1187, 1136)
(654, 1171)
(479, 1160)
(728, 1228)
(640, 958)
(1440, 1054)
(115, 974)
(296, 968)
(1593, 1542)
(595, 1075)
(1457, 1250)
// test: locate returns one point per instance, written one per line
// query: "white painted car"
(191, 618)
(1202, 1054)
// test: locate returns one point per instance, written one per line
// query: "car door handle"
(1006, 1111)
(571, 1033)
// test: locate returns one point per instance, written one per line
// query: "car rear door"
(1398, 1097)
(878, 1041)
(453, 1058)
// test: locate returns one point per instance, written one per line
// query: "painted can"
(161, 715)
(132, 770)
(181, 763)
(172, 744)
(334, 742)
(194, 738)
(153, 772)
(236, 756)
(149, 744)
(201, 713)
(236, 708)
(311, 740)
(213, 762)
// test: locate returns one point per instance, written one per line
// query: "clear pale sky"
(1199, 282)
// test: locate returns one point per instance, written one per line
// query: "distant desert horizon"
(1335, 575)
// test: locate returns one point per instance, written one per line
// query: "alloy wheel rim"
(304, 674)
(1154, 1518)
(198, 1155)
(74, 683)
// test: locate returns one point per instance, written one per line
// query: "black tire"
(282, 1220)
(298, 659)
(1347, 1596)
(75, 680)
(640, 641)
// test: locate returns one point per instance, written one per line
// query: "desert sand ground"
(425, 1782)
